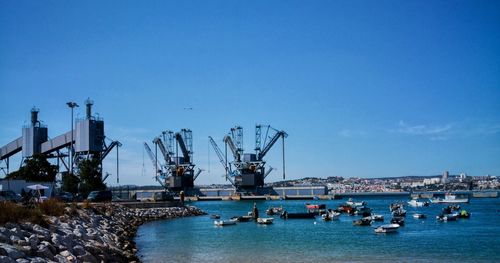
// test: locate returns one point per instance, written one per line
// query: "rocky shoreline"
(102, 233)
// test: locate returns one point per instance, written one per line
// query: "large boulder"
(10, 251)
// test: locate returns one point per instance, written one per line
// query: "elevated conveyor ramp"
(11, 148)
(59, 142)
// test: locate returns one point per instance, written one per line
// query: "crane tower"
(247, 171)
(173, 171)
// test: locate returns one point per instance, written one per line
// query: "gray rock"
(38, 260)
(5, 259)
(14, 239)
(44, 252)
(33, 241)
(49, 246)
(68, 256)
(79, 250)
(10, 251)
(66, 253)
(60, 259)
(10, 225)
(22, 260)
(87, 257)
(26, 250)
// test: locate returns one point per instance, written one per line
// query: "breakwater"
(102, 232)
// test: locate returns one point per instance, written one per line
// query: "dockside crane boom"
(222, 159)
(197, 174)
(268, 171)
(185, 151)
(232, 147)
(152, 157)
(163, 150)
(269, 145)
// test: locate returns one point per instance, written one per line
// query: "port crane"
(174, 172)
(247, 171)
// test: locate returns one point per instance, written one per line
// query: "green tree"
(90, 174)
(70, 183)
(36, 169)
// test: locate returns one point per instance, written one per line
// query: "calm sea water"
(196, 239)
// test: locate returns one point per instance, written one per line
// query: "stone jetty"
(101, 233)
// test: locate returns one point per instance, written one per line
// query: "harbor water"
(196, 239)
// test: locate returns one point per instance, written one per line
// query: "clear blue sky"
(363, 88)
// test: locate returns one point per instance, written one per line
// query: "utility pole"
(72, 105)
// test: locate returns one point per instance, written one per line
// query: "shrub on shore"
(52, 207)
(15, 213)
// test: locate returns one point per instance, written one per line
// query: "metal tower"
(247, 171)
(176, 171)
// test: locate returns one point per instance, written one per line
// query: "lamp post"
(72, 105)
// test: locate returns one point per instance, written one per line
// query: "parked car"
(65, 196)
(8, 195)
(100, 196)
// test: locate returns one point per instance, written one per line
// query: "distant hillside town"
(444, 182)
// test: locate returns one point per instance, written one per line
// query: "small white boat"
(330, 215)
(224, 222)
(265, 220)
(390, 228)
(377, 217)
(350, 202)
(450, 198)
(415, 203)
(419, 216)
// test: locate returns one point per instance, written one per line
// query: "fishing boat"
(450, 198)
(389, 228)
(330, 215)
(365, 221)
(419, 216)
(286, 215)
(446, 218)
(224, 222)
(399, 212)
(464, 214)
(274, 210)
(265, 220)
(377, 217)
(395, 206)
(241, 218)
(363, 210)
(315, 206)
(415, 203)
(351, 203)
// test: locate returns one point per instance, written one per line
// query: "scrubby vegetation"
(15, 213)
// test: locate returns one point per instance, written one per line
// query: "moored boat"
(224, 222)
(286, 215)
(365, 221)
(315, 206)
(274, 210)
(330, 215)
(419, 216)
(377, 217)
(265, 220)
(389, 228)
(241, 218)
(415, 203)
(351, 203)
(450, 198)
